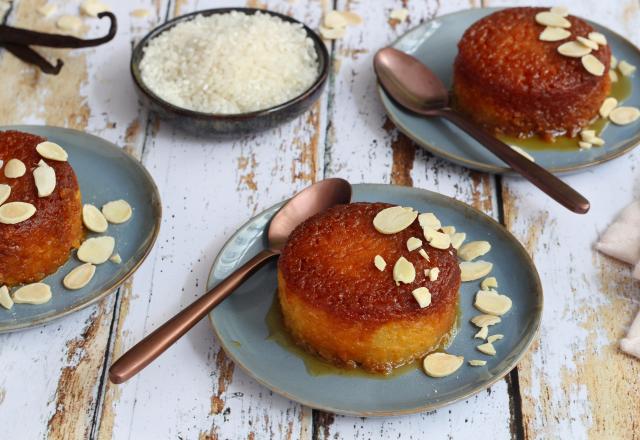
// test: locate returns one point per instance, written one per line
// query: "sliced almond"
(352, 18)
(626, 68)
(457, 239)
(394, 219)
(117, 259)
(424, 254)
(93, 219)
(334, 20)
(584, 145)
(434, 273)
(93, 7)
(79, 277)
(399, 14)
(429, 220)
(491, 302)
(607, 105)
(118, 211)
(613, 75)
(548, 18)
(423, 296)
(523, 153)
(45, 178)
(573, 49)
(587, 134)
(332, 34)
(487, 348)
(436, 239)
(5, 298)
(624, 115)
(403, 271)
(441, 364)
(493, 338)
(450, 230)
(485, 320)
(560, 10)
(52, 151)
(587, 42)
(47, 9)
(16, 212)
(482, 333)
(413, 243)
(554, 34)
(474, 270)
(5, 192)
(614, 62)
(592, 65)
(14, 168)
(489, 283)
(598, 38)
(96, 250)
(36, 293)
(477, 363)
(473, 250)
(596, 141)
(379, 263)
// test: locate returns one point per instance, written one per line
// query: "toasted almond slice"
(434, 273)
(482, 333)
(14, 168)
(473, 250)
(423, 296)
(47, 9)
(332, 34)
(477, 363)
(613, 75)
(93, 7)
(52, 151)
(352, 18)
(379, 263)
(424, 254)
(413, 243)
(79, 277)
(487, 348)
(140, 13)
(560, 10)
(485, 320)
(587, 134)
(69, 23)
(457, 239)
(587, 42)
(44, 177)
(429, 220)
(494, 338)
(523, 153)
(548, 18)
(399, 14)
(554, 34)
(118, 211)
(597, 141)
(5, 298)
(491, 302)
(624, 115)
(598, 38)
(335, 20)
(584, 145)
(449, 230)
(592, 65)
(15, 212)
(36, 293)
(394, 219)
(573, 49)
(5, 192)
(473, 270)
(441, 364)
(489, 283)
(436, 239)
(96, 250)
(626, 68)
(607, 105)
(403, 271)
(117, 259)
(93, 219)
(614, 62)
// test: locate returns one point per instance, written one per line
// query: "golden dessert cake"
(510, 81)
(337, 304)
(38, 246)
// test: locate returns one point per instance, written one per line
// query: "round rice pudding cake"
(32, 249)
(338, 305)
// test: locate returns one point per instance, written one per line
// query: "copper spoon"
(415, 87)
(312, 200)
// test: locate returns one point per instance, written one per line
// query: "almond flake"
(45, 179)
(625, 68)
(424, 254)
(607, 105)
(614, 62)
(489, 283)
(335, 20)
(118, 211)
(590, 136)
(403, 271)
(93, 219)
(14, 168)
(399, 14)
(613, 75)
(585, 145)
(96, 250)
(413, 243)
(69, 23)
(93, 7)
(79, 277)
(493, 338)
(598, 38)
(592, 65)
(47, 9)
(624, 115)
(52, 151)
(485, 320)
(548, 18)
(394, 219)
(573, 49)
(522, 152)
(429, 220)
(16, 212)
(597, 141)
(473, 250)
(438, 240)
(5, 299)
(423, 296)
(36, 293)
(587, 42)
(441, 364)
(491, 302)
(487, 349)
(449, 230)
(482, 333)
(352, 18)
(5, 192)
(379, 263)
(457, 239)
(477, 363)
(117, 259)
(332, 34)
(434, 273)
(554, 34)
(560, 10)
(473, 270)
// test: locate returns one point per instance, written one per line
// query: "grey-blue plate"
(435, 44)
(105, 172)
(239, 322)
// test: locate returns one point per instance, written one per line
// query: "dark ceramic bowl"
(229, 124)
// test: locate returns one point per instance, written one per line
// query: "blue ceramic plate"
(105, 172)
(435, 44)
(239, 322)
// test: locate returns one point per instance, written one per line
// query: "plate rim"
(529, 338)
(156, 204)
(495, 169)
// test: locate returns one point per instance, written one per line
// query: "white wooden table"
(574, 383)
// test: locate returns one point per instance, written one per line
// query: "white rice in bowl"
(230, 63)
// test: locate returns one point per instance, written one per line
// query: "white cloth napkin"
(621, 240)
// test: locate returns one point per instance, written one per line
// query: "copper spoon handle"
(145, 351)
(543, 179)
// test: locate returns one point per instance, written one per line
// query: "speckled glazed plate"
(105, 172)
(435, 44)
(240, 324)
